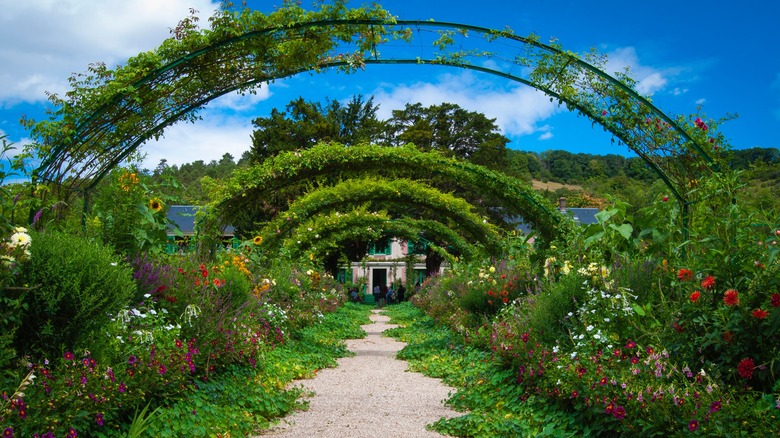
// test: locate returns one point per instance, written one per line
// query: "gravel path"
(369, 395)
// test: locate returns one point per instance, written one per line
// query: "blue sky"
(722, 56)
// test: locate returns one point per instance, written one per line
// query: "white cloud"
(517, 109)
(546, 136)
(701, 101)
(54, 38)
(649, 80)
(207, 139)
(237, 102)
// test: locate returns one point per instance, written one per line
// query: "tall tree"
(302, 124)
(451, 130)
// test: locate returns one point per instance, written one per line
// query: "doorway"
(378, 277)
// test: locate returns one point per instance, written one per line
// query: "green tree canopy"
(302, 124)
(451, 130)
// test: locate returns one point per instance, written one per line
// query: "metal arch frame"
(50, 168)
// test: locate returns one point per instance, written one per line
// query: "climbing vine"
(397, 193)
(515, 197)
(328, 233)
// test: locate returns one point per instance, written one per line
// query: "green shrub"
(77, 284)
(237, 286)
(552, 306)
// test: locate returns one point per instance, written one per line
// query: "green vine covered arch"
(108, 114)
(516, 197)
(351, 194)
(329, 232)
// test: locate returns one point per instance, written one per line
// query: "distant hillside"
(553, 186)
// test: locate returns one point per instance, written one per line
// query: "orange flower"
(695, 296)
(731, 298)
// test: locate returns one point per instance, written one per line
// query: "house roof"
(184, 217)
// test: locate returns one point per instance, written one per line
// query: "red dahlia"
(708, 283)
(731, 298)
(745, 368)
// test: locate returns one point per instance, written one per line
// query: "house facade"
(389, 262)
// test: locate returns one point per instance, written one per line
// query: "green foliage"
(396, 194)
(509, 196)
(76, 286)
(303, 124)
(131, 215)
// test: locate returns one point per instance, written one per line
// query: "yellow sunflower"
(155, 204)
(257, 240)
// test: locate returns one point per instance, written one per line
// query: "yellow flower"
(155, 205)
(257, 240)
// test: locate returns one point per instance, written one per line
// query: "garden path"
(369, 395)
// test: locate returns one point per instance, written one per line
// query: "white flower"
(606, 319)
(113, 263)
(20, 229)
(573, 354)
(20, 239)
(589, 328)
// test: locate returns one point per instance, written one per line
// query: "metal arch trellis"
(141, 108)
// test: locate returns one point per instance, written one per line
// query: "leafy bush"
(77, 286)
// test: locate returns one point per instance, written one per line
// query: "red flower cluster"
(745, 368)
(684, 274)
(731, 298)
(700, 124)
(760, 313)
(695, 296)
(708, 282)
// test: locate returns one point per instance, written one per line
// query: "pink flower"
(693, 426)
